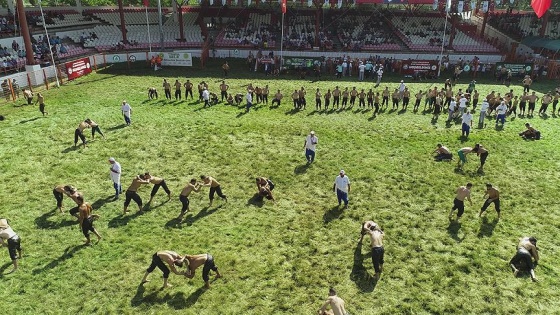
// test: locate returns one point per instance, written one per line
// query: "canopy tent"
(541, 42)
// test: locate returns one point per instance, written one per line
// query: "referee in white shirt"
(466, 124)
(310, 147)
(342, 188)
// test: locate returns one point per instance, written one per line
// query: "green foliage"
(276, 258)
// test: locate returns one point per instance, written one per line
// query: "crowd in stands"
(359, 32)
(301, 33)
(257, 32)
(511, 24)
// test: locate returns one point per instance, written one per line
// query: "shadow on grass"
(149, 206)
(68, 253)
(453, 230)
(241, 114)
(333, 214)
(487, 227)
(364, 281)
(3, 269)
(70, 149)
(256, 200)
(190, 218)
(177, 301)
(121, 126)
(301, 169)
(372, 117)
(123, 219)
(101, 202)
(43, 222)
(29, 120)
(292, 111)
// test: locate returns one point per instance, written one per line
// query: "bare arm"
(324, 307)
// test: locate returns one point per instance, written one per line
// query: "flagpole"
(282, 44)
(443, 41)
(49, 43)
(148, 26)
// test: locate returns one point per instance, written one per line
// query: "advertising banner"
(411, 66)
(515, 68)
(78, 68)
(176, 58)
(294, 63)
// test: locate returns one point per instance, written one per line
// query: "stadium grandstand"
(491, 31)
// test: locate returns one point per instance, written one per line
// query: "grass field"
(276, 258)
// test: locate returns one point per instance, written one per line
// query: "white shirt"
(467, 118)
(126, 109)
(362, 68)
(380, 72)
(402, 87)
(311, 142)
(452, 105)
(7, 233)
(342, 183)
(501, 109)
(249, 98)
(463, 102)
(116, 172)
(484, 106)
(205, 95)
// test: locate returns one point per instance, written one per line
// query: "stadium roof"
(541, 42)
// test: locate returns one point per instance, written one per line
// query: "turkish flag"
(541, 6)
(284, 6)
(146, 3)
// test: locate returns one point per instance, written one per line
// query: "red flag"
(541, 6)
(284, 6)
(146, 3)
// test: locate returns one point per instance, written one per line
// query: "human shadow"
(332, 214)
(463, 139)
(123, 219)
(301, 169)
(191, 300)
(241, 114)
(256, 200)
(499, 127)
(453, 230)
(70, 149)
(190, 219)
(29, 120)
(3, 269)
(43, 221)
(402, 111)
(363, 280)
(68, 253)
(121, 126)
(292, 111)
(434, 120)
(487, 227)
(98, 204)
(372, 118)
(313, 112)
(148, 206)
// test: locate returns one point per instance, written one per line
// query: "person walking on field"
(310, 146)
(41, 101)
(115, 173)
(160, 259)
(336, 304)
(377, 251)
(493, 197)
(14, 242)
(126, 111)
(131, 193)
(527, 250)
(158, 182)
(207, 261)
(215, 188)
(342, 188)
(459, 202)
(184, 196)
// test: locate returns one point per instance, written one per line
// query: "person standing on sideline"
(342, 188)
(132, 194)
(177, 90)
(527, 83)
(377, 251)
(13, 240)
(310, 145)
(158, 182)
(336, 304)
(277, 99)
(466, 124)
(459, 202)
(527, 250)
(159, 259)
(188, 89)
(206, 97)
(443, 153)
(532, 100)
(483, 153)
(249, 98)
(167, 89)
(462, 153)
(379, 76)
(86, 219)
(41, 101)
(94, 128)
(318, 98)
(115, 172)
(225, 67)
(223, 90)
(79, 133)
(493, 197)
(184, 196)
(215, 188)
(126, 111)
(207, 261)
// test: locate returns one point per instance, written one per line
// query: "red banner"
(284, 6)
(146, 3)
(78, 68)
(414, 66)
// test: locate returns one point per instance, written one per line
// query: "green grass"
(276, 258)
